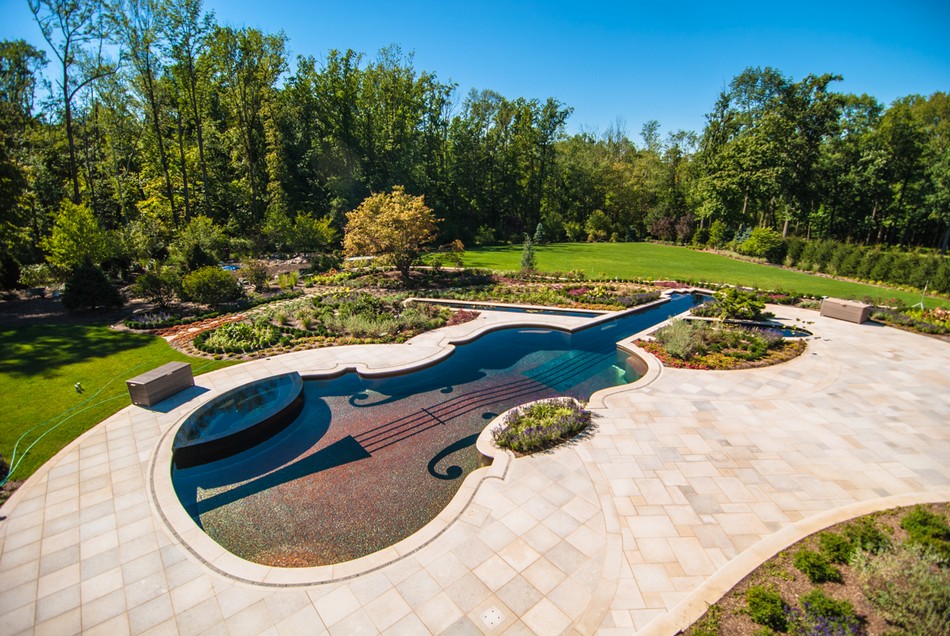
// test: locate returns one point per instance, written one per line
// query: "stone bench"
(849, 310)
(156, 385)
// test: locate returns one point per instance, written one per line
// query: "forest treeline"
(162, 129)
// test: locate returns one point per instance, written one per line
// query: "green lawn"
(39, 367)
(665, 262)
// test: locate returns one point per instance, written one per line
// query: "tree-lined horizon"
(195, 125)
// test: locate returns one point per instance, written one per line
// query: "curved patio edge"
(690, 609)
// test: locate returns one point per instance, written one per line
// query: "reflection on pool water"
(370, 461)
(542, 311)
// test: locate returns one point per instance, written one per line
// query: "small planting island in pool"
(370, 461)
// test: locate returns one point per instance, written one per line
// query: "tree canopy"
(394, 225)
(197, 120)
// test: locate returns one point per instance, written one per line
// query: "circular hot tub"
(238, 420)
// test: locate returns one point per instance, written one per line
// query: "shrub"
(238, 337)
(766, 607)
(681, 339)
(765, 243)
(87, 287)
(835, 547)
(529, 262)
(718, 233)
(738, 304)
(255, 273)
(211, 286)
(908, 586)
(38, 275)
(881, 268)
(701, 236)
(816, 567)
(485, 235)
(928, 530)
(323, 263)
(574, 232)
(839, 255)
(288, 281)
(865, 535)
(794, 247)
(597, 226)
(816, 255)
(541, 425)
(823, 615)
(158, 287)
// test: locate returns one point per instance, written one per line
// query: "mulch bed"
(717, 362)
(780, 574)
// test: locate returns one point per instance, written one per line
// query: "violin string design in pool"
(368, 462)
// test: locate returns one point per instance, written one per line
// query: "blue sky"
(610, 61)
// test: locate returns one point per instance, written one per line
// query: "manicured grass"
(665, 262)
(39, 367)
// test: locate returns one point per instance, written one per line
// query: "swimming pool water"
(370, 461)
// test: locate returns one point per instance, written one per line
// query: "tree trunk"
(67, 107)
(89, 178)
(193, 96)
(184, 167)
(163, 159)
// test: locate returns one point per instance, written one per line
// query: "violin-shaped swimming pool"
(368, 462)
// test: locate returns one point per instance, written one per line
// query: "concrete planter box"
(156, 385)
(848, 310)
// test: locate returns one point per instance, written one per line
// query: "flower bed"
(686, 344)
(541, 425)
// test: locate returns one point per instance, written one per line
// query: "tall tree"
(20, 64)
(68, 26)
(136, 23)
(186, 30)
(248, 64)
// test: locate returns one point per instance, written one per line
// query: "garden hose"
(67, 415)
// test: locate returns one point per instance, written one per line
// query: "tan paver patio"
(687, 484)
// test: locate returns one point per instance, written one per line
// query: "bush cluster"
(816, 566)
(929, 531)
(87, 286)
(733, 303)
(873, 263)
(349, 316)
(766, 607)
(238, 337)
(687, 339)
(211, 285)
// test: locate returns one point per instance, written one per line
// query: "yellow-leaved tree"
(393, 226)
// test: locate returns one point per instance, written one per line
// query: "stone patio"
(690, 480)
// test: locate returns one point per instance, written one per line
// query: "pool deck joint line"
(690, 480)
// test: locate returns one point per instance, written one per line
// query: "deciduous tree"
(392, 225)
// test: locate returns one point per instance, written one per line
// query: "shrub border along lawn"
(652, 261)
